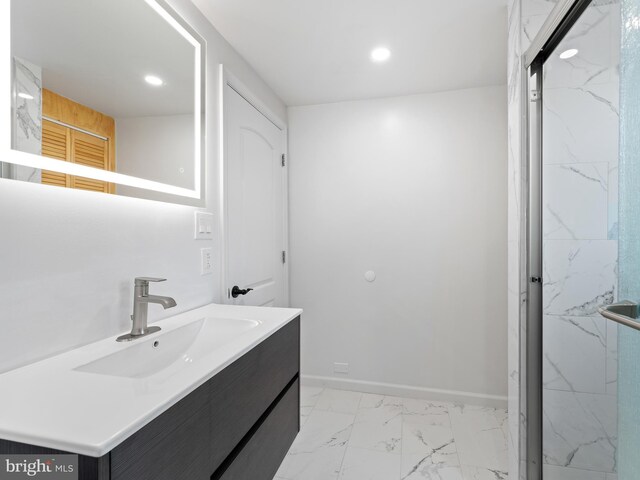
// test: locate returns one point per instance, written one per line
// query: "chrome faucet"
(141, 301)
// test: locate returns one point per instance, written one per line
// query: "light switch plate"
(206, 257)
(204, 226)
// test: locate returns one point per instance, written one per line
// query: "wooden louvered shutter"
(56, 143)
(68, 141)
(89, 151)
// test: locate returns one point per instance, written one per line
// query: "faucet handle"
(146, 280)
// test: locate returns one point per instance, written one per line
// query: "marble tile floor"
(348, 435)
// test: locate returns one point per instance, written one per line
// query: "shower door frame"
(563, 17)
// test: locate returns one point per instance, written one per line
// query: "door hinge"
(284, 157)
(284, 257)
(536, 280)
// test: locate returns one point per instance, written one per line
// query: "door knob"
(236, 291)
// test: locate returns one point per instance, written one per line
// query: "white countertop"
(50, 404)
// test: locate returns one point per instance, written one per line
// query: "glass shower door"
(580, 151)
(591, 247)
(629, 242)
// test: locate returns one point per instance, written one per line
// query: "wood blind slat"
(65, 143)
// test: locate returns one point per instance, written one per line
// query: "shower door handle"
(624, 313)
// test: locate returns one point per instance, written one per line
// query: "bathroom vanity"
(214, 395)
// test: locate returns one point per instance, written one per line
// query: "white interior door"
(255, 204)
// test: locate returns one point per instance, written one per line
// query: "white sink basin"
(166, 353)
(117, 388)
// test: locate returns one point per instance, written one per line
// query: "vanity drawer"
(173, 446)
(242, 392)
(194, 437)
(261, 452)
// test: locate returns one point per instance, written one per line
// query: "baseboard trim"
(453, 396)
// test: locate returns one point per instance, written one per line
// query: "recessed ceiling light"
(26, 96)
(380, 54)
(572, 52)
(153, 80)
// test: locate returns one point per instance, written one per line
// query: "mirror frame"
(9, 155)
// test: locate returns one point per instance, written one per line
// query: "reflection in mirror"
(108, 84)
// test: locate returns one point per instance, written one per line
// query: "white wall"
(413, 188)
(68, 258)
(158, 148)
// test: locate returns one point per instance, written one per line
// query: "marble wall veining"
(27, 127)
(580, 207)
(580, 218)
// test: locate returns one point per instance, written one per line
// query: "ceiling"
(317, 51)
(98, 52)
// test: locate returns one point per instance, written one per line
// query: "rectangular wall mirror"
(105, 95)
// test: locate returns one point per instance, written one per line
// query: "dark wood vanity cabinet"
(238, 425)
(174, 445)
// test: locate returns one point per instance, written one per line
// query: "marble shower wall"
(580, 247)
(580, 223)
(27, 128)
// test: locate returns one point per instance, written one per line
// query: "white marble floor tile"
(319, 449)
(429, 443)
(305, 412)
(321, 464)
(479, 436)
(309, 396)
(435, 412)
(340, 401)
(412, 470)
(371, 400)
(362, 464)
(502, 416)
(378, 427)
(397, 402)
(482, 473)
(393, 438)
